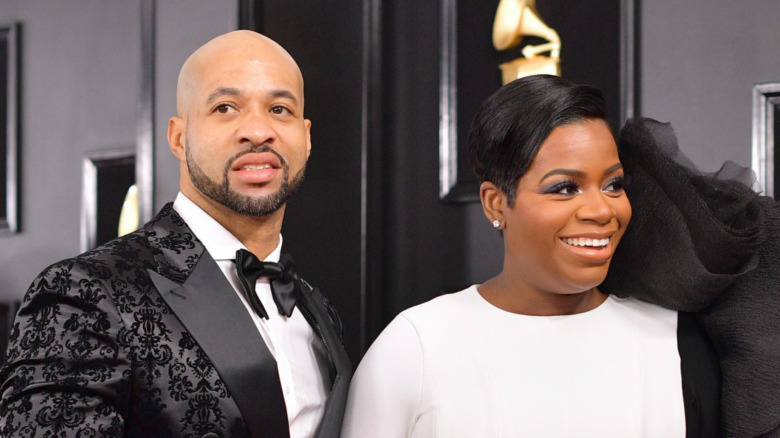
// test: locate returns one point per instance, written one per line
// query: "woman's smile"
(595, 250)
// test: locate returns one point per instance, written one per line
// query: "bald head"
(233, 49)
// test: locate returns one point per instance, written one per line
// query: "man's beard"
(256, 206)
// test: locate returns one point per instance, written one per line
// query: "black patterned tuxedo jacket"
(145, 337)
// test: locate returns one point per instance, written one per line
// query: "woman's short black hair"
(513, 122)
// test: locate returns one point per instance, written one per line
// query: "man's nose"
(256, 128)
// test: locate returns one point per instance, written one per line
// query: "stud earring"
(496, 223)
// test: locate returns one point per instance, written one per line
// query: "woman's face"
(570, 211)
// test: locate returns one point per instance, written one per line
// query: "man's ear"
(493, 202)
(176, 137)
(307, 124)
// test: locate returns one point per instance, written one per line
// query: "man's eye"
(224, 109)
(279, 110)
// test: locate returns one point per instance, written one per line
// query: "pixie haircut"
(513, 122)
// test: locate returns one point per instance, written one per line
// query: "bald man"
(195, 325)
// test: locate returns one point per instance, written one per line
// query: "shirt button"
(286, 390)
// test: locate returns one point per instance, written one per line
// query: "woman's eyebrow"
(578, 173)
(613, 168)
(567, 172)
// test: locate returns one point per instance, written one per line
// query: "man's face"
(245, 139)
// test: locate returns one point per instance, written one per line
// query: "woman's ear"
(493, 203)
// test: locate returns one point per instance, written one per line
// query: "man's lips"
(257, 168)
(254, 161)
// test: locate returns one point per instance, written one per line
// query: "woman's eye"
(615, 185)
(564, 188)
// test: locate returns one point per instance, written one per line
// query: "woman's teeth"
(585, 241)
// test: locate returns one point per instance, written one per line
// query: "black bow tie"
(284, 286)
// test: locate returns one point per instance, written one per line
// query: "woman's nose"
(596, 207)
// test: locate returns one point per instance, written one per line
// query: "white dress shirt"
(301, 357)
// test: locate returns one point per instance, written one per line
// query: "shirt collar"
(219, 242)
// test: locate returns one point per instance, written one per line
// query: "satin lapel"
(209, 308)
(337, 400)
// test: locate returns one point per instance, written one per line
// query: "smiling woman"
(541, 349)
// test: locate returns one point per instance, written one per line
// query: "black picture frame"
(766, 123)
(9, 127)
(145, 121)
(598, 37)
(106, 176)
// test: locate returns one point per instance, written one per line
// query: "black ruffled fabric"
(707, 244)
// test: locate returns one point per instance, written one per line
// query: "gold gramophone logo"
(514, 20)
